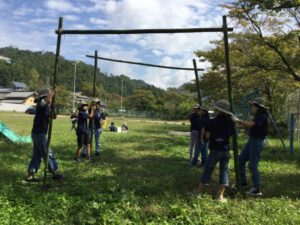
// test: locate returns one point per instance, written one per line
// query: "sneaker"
(57, 176)
(254, 192)
(76, 159)
(97, 153)
(31, 180)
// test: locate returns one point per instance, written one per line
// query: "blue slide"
(12, 135)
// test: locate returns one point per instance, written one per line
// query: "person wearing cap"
(97, 126)
(73, 118)
(195, 130)
(257, 132)
(218, 132)
(82, 130)
(201, 147)
(38, 135)
(124, 127)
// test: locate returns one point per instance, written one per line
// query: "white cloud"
(61, 6)
(98, 21)
(71, 18)
(43, 20)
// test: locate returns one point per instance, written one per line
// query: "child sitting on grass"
(38, 135)
(218, 132)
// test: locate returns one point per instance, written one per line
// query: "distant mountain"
(26, 66)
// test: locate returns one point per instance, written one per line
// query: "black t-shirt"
(195, 122)
(220, 129)
(97, 118)
(41, 118)
(82, 122)
(260, 129)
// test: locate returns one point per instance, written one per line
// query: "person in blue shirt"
(38, 135)
(82, 129)
(202, 145)
(257, 132)
(195, 128)
(218, 132)
(112, 127)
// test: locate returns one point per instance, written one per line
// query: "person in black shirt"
(195, 128)
(97, 126)
(201, 146)
(38, 135)
(82, 130)
(257, 132)
(218, 132)
(112, 127)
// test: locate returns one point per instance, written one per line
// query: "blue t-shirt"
(41, 118)
(82, 122)
(220, 129)
(195, 122)
(260, 129)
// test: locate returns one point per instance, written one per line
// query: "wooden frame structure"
(224, 29)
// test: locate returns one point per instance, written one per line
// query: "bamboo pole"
(60, 25)
(230, 99)
(143, 64)
(147, 31)
(197, 82)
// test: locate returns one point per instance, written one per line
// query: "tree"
(141, 100)
(274, 23)
(33, 79)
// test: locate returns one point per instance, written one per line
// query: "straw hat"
(223, 106)
(83, 103)
(96, 100)
(43, 93)
(197, 106)
(259, 102)
(204, 108)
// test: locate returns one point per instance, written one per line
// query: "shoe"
(244, 184)
(76, 159)
(97, 153)
(254, 192)
(57, 176)
(31, 180)
(90, 159)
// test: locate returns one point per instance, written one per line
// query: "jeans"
(251, 153)
(39, 152)
(97, 139)
(97, 133)
(213, 158)
(195, 139)
(200, 148)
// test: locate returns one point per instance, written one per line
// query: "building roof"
(19, 95)
(6, 90)
(19, 85)
(13, 101)
(5, 59)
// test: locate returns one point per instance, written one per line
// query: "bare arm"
(245, 124)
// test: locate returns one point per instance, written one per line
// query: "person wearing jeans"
(195, 128)
(218, 132)
(38, 135)
(257, 132)
(201, 144)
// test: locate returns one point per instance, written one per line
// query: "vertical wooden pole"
(60, 25)
(292, 128)
(230, 99)
(95, 72)
(197, 82)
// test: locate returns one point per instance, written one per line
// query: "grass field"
(142, 177)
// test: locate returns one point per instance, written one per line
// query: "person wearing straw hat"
(201, 148)
(218, 132)
(257, 132)
(38, 135)
(82, 130)
(195, 129)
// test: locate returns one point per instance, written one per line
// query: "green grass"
(142, 177)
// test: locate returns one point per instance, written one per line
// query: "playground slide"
(12, 135)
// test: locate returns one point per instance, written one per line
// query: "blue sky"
(31, 24)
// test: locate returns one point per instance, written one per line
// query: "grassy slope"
(142, 177)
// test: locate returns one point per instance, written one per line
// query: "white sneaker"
(254, 192)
